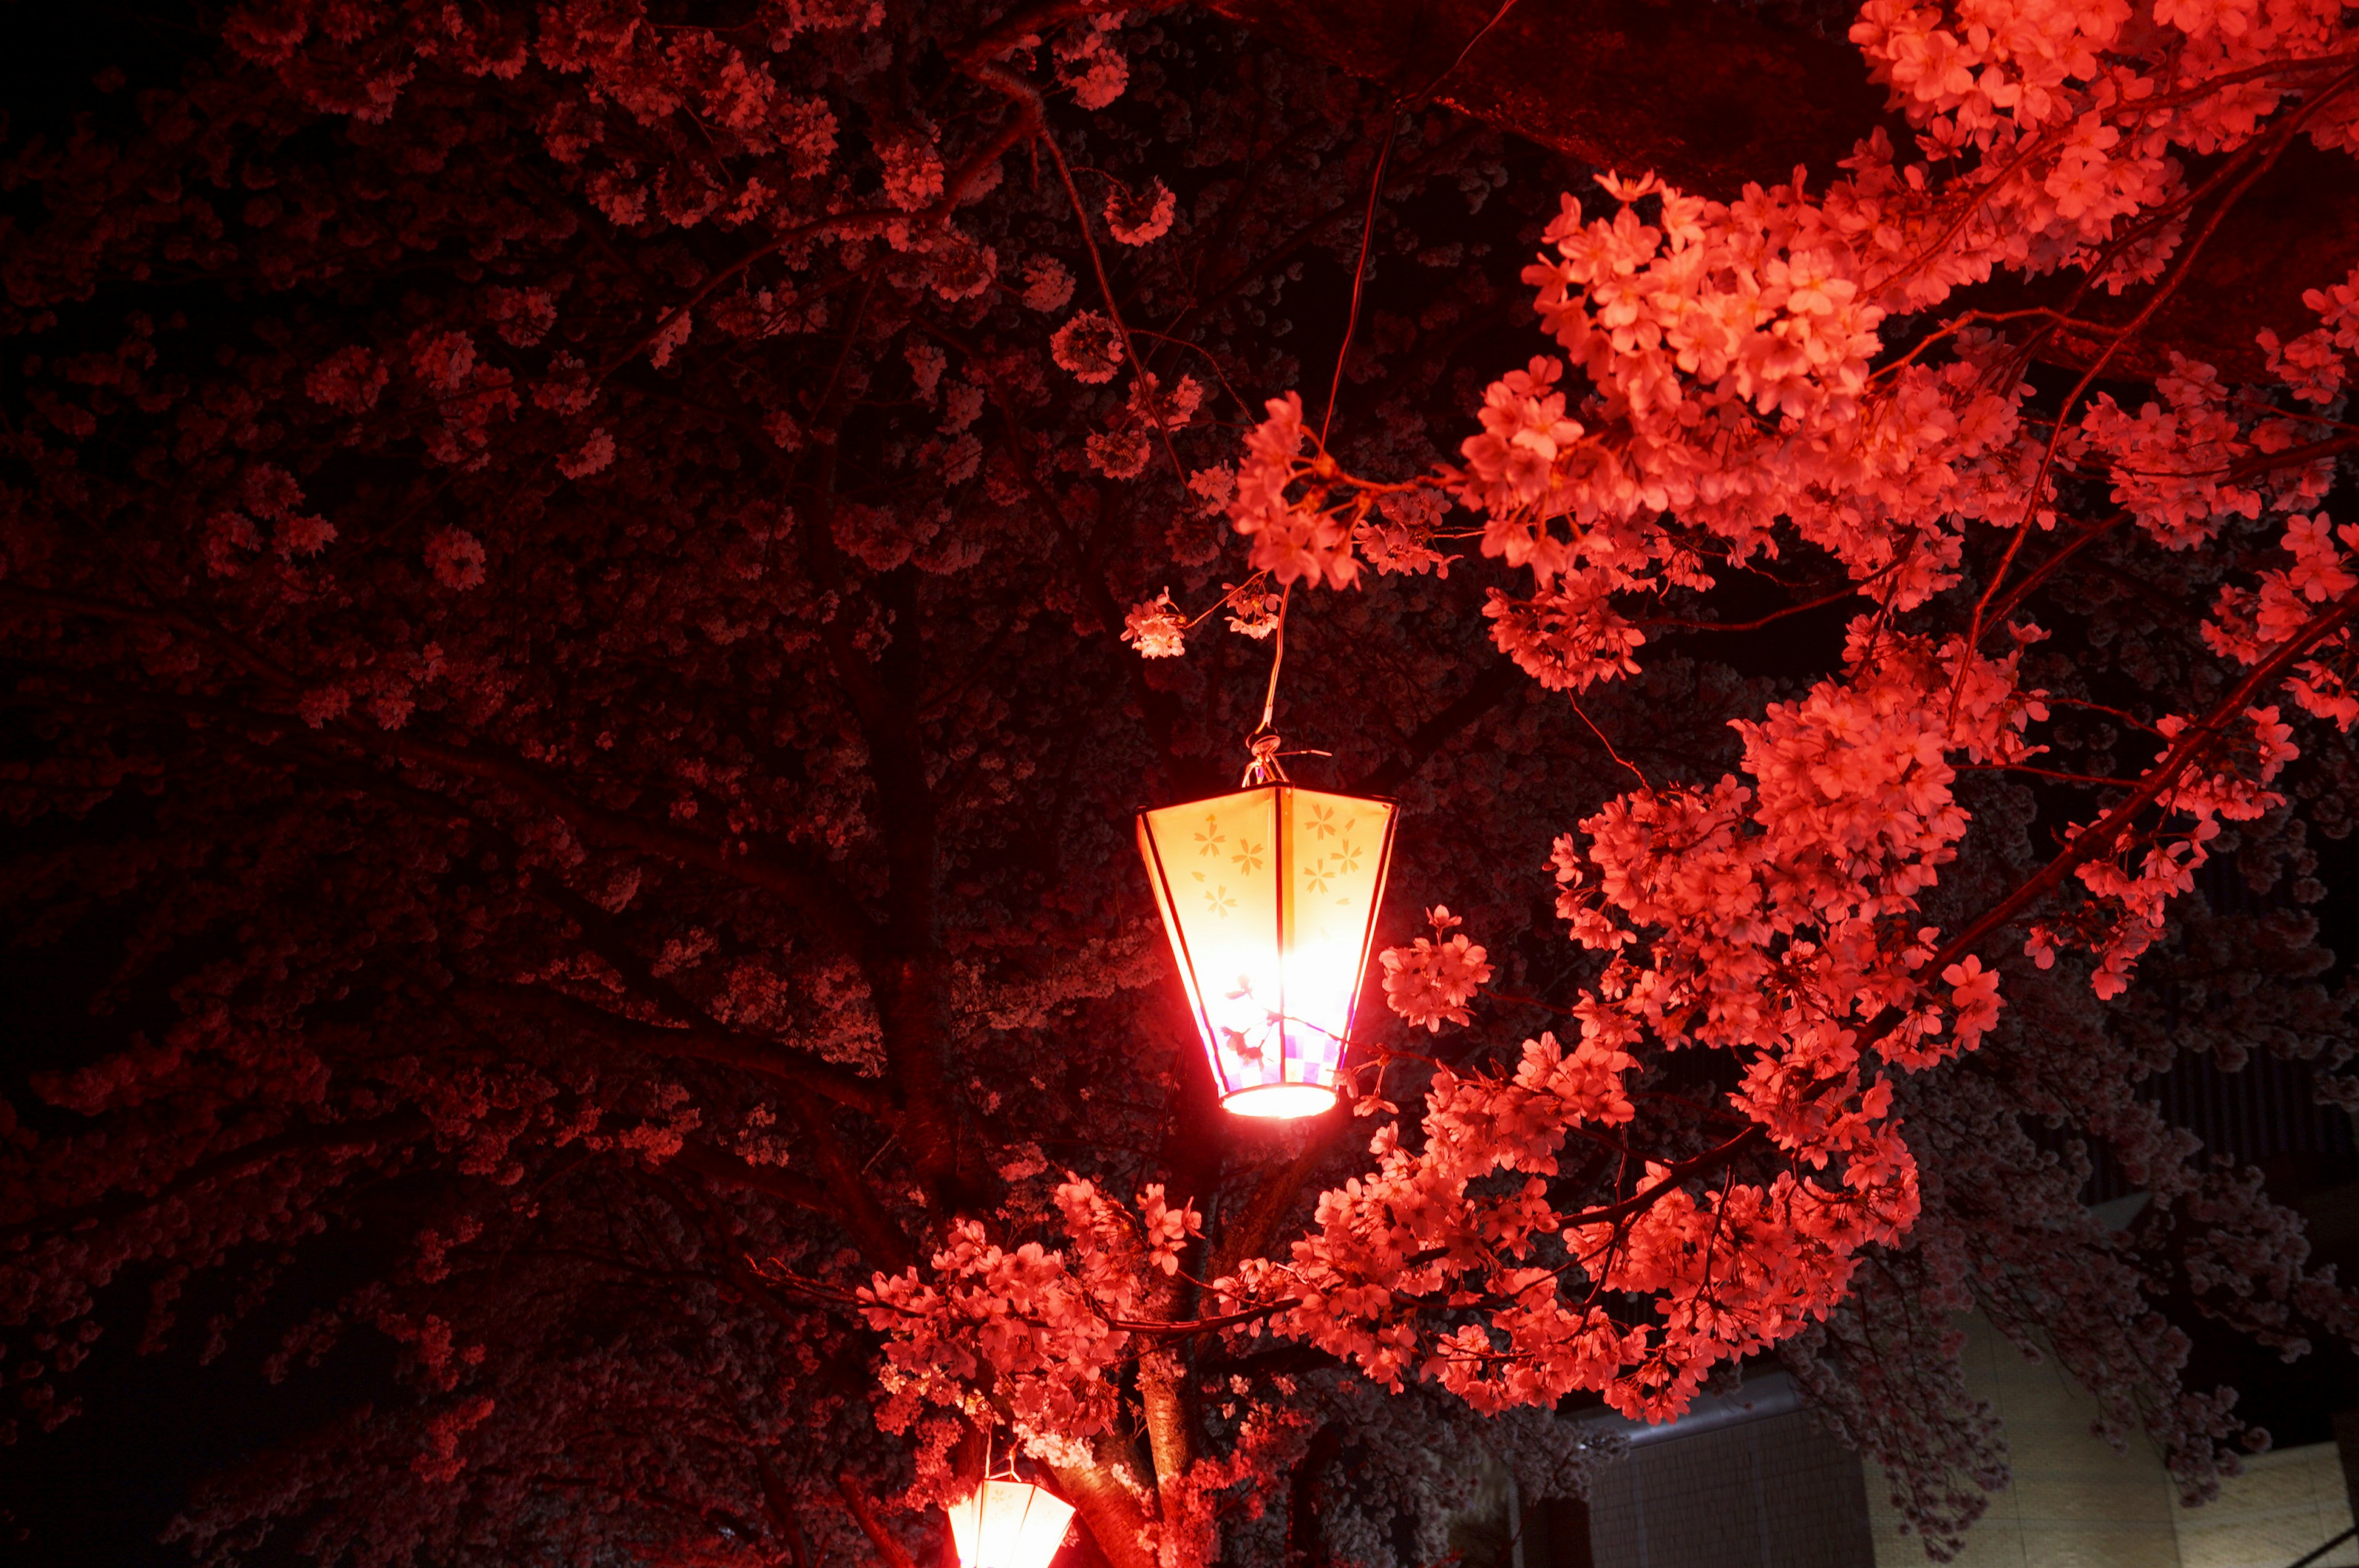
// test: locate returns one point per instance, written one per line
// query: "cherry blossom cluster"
(1727, 392)
(1430, 981)
(1040, 1329)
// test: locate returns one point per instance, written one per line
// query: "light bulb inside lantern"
(1008, 1524)
(1270, 897)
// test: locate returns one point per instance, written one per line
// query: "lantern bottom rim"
(1279, 1102)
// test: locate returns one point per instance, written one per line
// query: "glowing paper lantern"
(1008, 1524)
(1269, 896)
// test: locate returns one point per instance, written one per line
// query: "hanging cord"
(990, 1437)
(1276, 662)
(1264, 742)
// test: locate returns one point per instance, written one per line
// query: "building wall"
(1753, 1482)
(2277, 1511)
(2075, 1503)
(1773, 1492)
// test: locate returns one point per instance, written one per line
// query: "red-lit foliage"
(575, 582)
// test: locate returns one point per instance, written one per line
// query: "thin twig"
(1610, 751)
(1360, 269)
(1105, 289)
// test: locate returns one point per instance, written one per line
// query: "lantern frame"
(981, 1541)
(1286, 1096)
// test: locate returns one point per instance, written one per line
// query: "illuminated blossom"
(1431, 984)
(1089, 346)
(1048, 286)
(1141, 219)
(1156, 628)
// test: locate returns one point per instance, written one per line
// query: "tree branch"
(1249, 1236)
(1492, 684)
(2101, 836)
(864, 1513)
(721, 1166)
(827, 908)
(696, 1040)
(397, 1128)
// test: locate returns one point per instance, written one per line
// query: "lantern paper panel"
(1270, 897)
(1008, 1524)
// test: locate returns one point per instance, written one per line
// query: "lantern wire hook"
(1263, 744)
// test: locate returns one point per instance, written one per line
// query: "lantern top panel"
(1269, 791)
(1316, 851)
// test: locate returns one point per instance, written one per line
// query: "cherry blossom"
(1141, 219)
